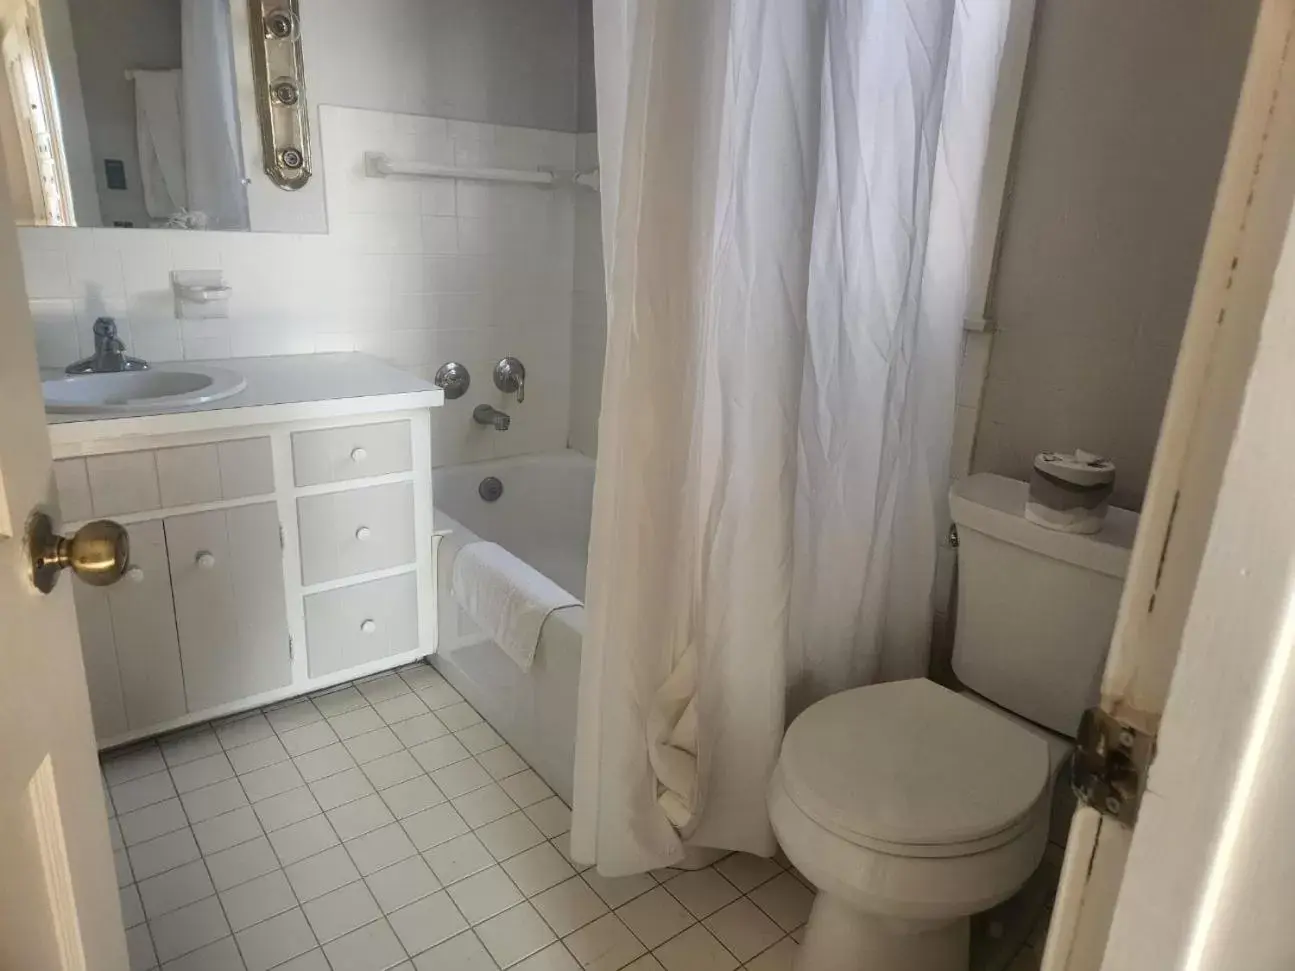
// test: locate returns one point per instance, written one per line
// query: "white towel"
(506, 598)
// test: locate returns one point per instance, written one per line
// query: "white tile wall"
(589, 309)
(507, 62)
(414, 271)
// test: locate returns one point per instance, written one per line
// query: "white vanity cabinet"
(268, 559)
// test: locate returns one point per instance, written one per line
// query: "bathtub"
(542, 518)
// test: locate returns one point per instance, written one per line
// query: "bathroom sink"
(161, 386)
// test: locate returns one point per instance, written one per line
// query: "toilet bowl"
(912, 807)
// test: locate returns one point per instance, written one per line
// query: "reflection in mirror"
(122, 113)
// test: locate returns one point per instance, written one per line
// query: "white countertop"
(289, 388)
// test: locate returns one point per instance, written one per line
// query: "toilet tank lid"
(995, 505)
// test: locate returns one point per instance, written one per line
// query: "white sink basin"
(161, 386)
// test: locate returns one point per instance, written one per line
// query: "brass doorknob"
(98, 553)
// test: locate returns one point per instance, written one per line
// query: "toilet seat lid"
(912, 763)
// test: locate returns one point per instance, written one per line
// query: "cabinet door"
(99, 654)
(226, 570)
(128, 639)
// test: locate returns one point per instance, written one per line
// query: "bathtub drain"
(490, 489)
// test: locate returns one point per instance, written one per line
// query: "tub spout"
(487, 415)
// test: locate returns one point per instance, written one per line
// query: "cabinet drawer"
(354, 452)
(237, 469)
(123, 483)
(366, 622)
(344, 534)
(73, 490)
(114, 485)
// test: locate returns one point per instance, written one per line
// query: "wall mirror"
(144, 113)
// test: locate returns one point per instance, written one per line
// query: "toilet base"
(840, 937)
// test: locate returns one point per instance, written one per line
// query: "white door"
(59, 907)
(1201, 650)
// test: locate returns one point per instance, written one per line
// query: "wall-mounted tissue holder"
(200, 294)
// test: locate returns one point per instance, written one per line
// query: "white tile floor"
(385, 825)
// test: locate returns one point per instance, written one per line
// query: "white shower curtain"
(213, 150)
(789, 196)
(159, 137)
(190, 148)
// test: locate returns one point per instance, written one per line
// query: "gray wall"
(111, 38)
(505, 62)
(1124, 123)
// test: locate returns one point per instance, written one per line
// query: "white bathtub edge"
(534, 711)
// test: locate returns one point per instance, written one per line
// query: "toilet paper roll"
(1070, 492)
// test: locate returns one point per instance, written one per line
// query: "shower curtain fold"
(159, 135)
(789, 191)
(212, 144)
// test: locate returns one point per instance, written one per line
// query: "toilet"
(911, 806)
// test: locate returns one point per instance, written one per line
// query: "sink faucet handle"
(104, 327)
(105, 335)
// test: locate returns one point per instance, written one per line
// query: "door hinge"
(282, 544)
(1110, 767)
(292, 651)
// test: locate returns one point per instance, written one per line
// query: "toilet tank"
(1036, 607)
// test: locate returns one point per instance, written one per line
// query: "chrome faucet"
(487, 415)
(109, 353)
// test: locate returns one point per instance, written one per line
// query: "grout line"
(203, 857)
(753, 957)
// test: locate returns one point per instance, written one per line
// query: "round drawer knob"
(369, 626)
(363, 533)
(359, 454)
(135, 574)
(205, 560)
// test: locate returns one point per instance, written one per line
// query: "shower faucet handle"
(510, 377)
(452, 378)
